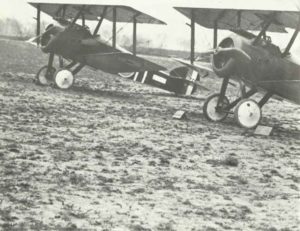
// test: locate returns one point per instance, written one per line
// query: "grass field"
(107, 155)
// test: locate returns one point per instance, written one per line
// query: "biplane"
(76, 43)
(247, 56)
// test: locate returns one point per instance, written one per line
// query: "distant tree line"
(14, 28)
(11, 28)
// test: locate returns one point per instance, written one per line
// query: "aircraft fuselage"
(264, 67)
(68, 42)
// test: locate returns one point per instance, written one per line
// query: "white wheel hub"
(248, 113)
(210, 108)
(126, 75)
(64, 79)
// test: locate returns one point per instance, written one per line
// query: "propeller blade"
(234, 53)
(207, 53)
(33, 41)
(197, 66)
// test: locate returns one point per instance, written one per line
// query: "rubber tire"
(49, 78)
(130, 75)
(55, 82)
(206, 104)
(236, 116)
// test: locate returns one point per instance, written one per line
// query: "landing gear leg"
(242, 89)
(61, 62)
(63, 77)
(214, 106)
(265, 99)
(45, 75)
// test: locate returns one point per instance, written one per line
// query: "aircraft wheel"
(43, 78)
(126, 75)
(63, 79)
(210, 111)
(247, 113)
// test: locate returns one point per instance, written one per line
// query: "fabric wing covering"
(93, 10)
(248, 16)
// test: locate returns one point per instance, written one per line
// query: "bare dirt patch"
(106, 155)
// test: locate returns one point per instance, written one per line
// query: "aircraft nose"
(223, 62)
(50, 32)
(46, 36)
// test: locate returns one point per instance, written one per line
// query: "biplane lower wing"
(119, 62)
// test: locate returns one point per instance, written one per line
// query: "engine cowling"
(50, 32)
(229, 58)
(223, 65)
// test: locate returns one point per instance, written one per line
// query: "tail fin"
(191, 76)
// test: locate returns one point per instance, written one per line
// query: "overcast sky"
(173, 36)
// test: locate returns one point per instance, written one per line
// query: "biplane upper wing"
(93, 9)
(231, 14)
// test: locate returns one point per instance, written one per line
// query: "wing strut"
(290, 44)
(79, 13)
(83, 18)
(262, 33)
(215, 34)
(38, 24)
(64, 11)
(239, 19)
(61, 12)
(220, 16)
(266, 25)
(114, 30)
(100, 21)
(192, 55)
(134, 36)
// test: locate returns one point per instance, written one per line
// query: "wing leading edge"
(93, 10)
(118, 62)
(245, 16)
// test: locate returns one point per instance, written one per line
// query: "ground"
(107, 155)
